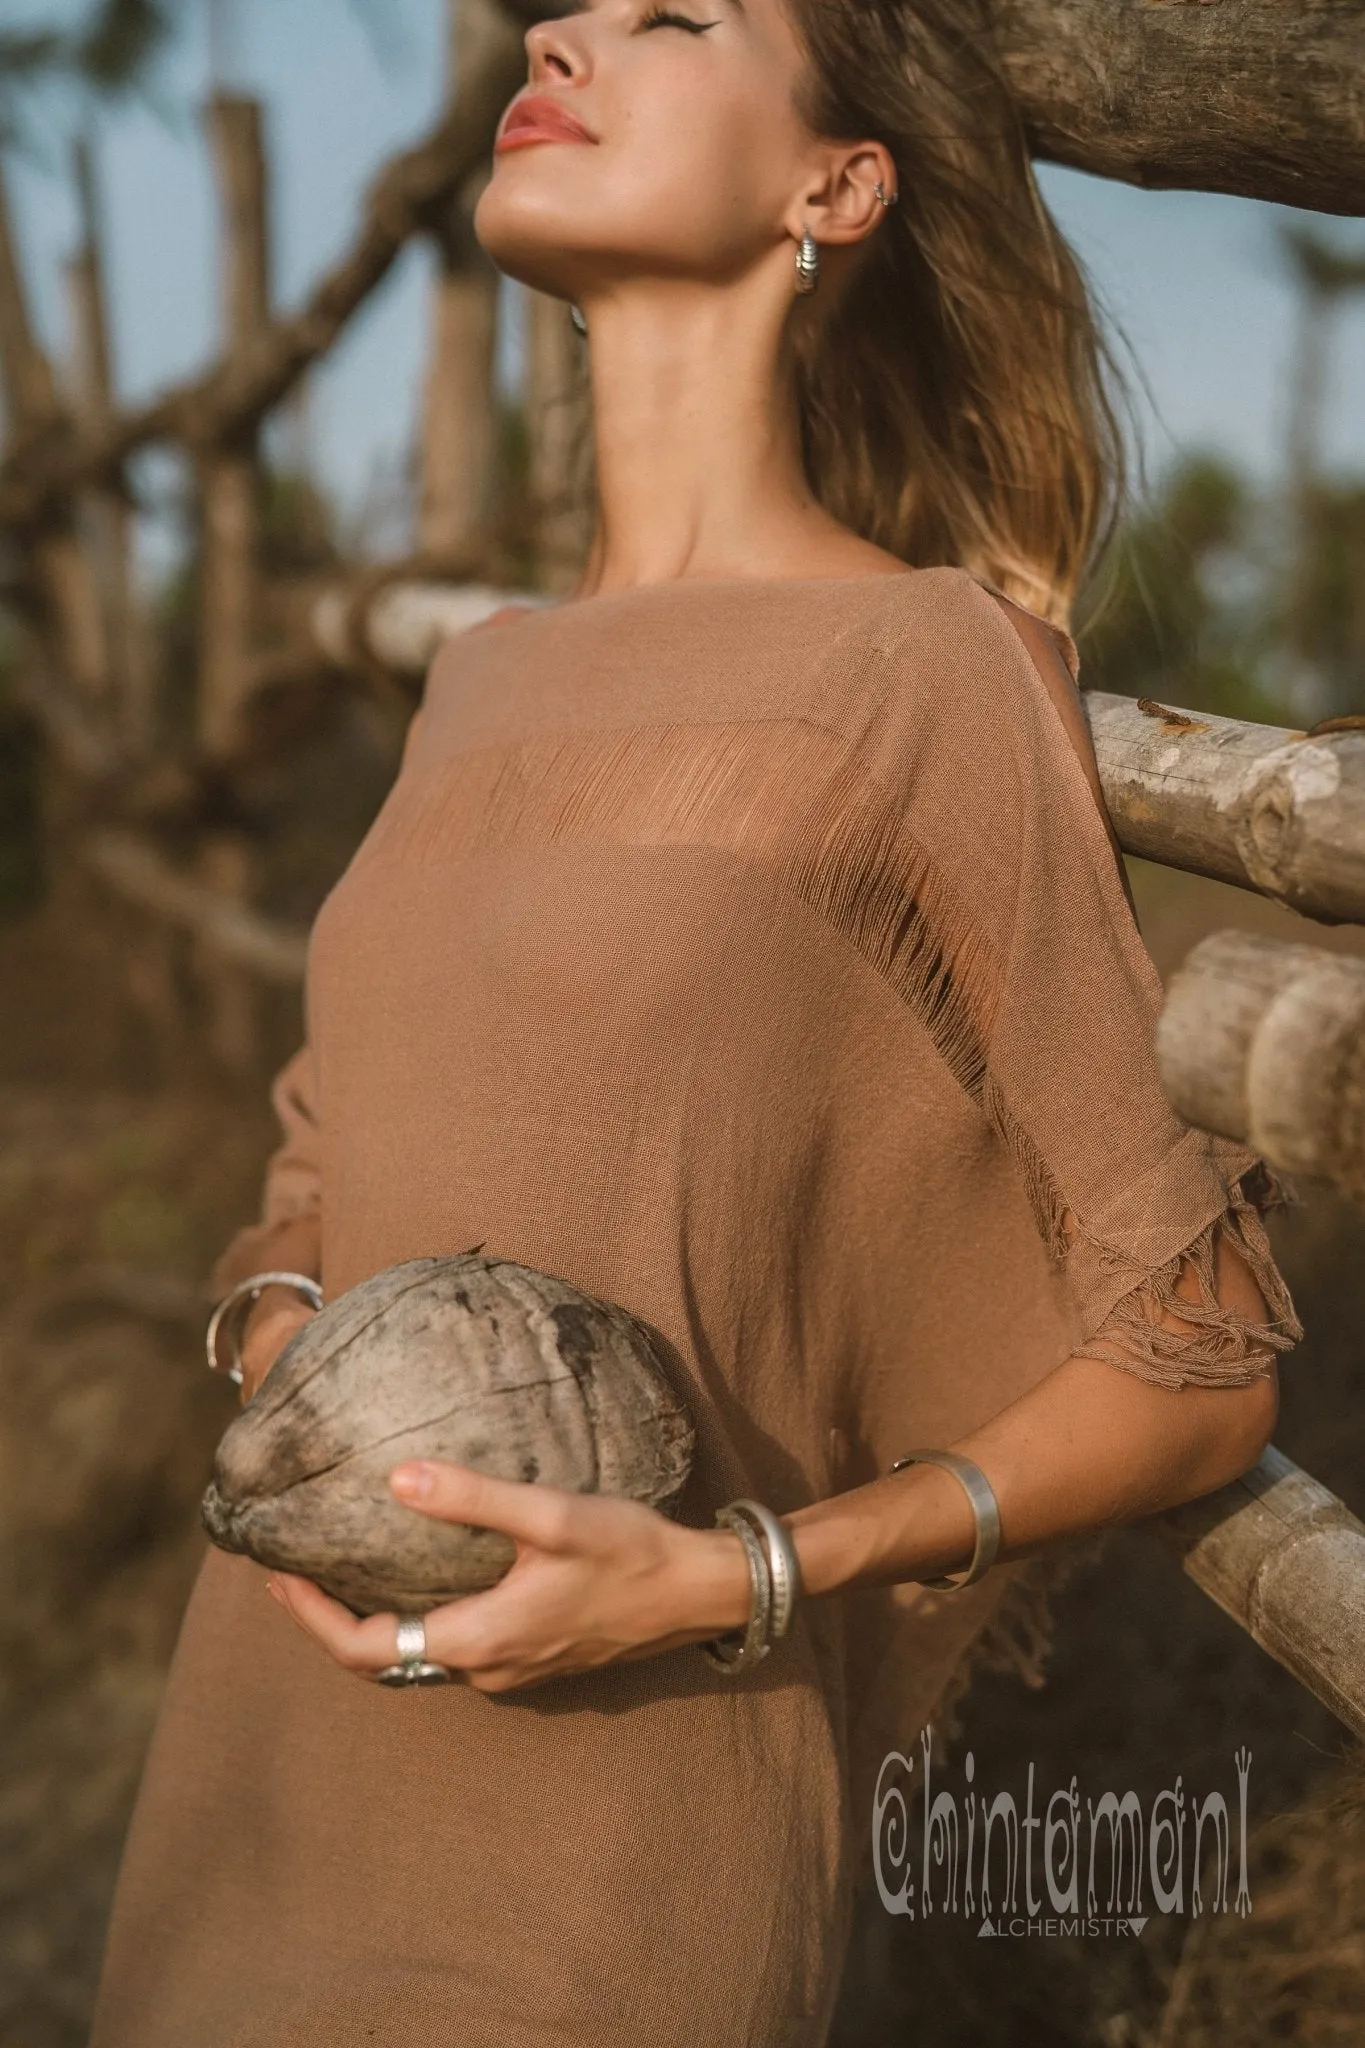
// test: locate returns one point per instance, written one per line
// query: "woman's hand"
(272, 1322)
(596, 1580)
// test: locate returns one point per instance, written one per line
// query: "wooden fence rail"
(1263, 807)
(1286, 1560)
(1266, 1043)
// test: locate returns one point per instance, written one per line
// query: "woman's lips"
(539, 119)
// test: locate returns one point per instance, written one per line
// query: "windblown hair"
(954, 408)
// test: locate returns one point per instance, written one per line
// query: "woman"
(741, 940)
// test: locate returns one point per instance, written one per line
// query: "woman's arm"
(288, 1236)
(598, 1579)
(1090, 1446)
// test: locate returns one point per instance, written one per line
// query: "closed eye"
(662, 17)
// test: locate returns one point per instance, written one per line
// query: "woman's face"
(697, 165)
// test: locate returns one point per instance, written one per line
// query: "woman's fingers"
(363, 1645)
(543, 1515)
(595, 1578)
(462, 1634)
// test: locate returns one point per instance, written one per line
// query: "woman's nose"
(555, 49)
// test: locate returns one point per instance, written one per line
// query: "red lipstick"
(538, 118)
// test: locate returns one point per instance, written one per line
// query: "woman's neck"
(698, 457)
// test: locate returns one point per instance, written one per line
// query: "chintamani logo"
(975, 1850)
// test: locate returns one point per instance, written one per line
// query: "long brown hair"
(955, 406)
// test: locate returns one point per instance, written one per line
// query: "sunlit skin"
(675, 229)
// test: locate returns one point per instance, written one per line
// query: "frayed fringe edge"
(1045, 1198)
(1231, 1349)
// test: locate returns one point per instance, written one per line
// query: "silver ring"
(413, 1666)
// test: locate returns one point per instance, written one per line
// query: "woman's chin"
(525, 239)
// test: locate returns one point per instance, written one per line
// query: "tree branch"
(225, 403)
(139, 874)
(1254, 97)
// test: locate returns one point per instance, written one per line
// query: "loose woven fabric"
(753, 954)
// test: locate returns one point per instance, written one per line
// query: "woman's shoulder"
(841, 648)
(966, 627)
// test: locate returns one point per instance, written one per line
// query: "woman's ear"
(844, 207)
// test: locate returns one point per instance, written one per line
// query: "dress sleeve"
(1063, 1000)
(288, 1236)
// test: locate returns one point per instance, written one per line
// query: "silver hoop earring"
(576, 315)
(886, 198)
(807, 263)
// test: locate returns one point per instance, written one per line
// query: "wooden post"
(229, 469)
(459, 417)
(33, 412)
(230, 486)
(126, 638)
(30, 389)
(227, 400)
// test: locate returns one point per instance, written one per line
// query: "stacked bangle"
(774, 1585)
(238, 1303)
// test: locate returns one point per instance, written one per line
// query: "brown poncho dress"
(752, 953)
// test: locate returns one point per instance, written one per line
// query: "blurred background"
(221, 527)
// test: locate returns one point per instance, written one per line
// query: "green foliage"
(1189, 603)
(1327, 620)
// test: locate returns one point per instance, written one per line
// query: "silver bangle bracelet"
(784, 1570)
(985, 1508)
(242, 1298)
(736, 1650)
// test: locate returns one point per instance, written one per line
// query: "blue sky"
(1192, 279)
